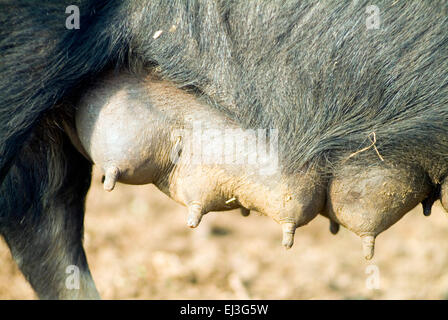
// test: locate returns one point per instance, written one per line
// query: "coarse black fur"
(315, 72)
(45, 180)
(42, 61)
(42, 200)
(310, 69)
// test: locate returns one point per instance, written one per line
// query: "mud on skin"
(133, 129)
(126, 126)
(136, 132)
(369, 200)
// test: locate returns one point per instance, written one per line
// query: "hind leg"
(42, 212)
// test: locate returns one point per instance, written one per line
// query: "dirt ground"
(139, 247)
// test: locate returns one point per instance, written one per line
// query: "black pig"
(313, 70)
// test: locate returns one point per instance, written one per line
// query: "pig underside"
(142, 132)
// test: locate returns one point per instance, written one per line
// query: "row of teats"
(126, 127)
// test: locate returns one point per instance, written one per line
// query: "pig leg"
(43, 197)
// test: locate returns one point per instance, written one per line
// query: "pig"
(325, 74)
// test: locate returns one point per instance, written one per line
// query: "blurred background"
(139, 247)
